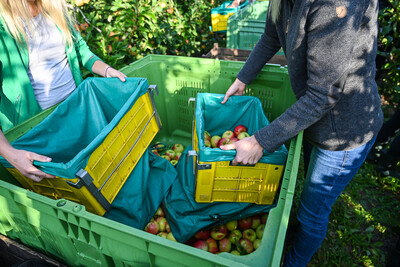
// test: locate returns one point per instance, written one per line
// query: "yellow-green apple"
(174, 162)
(207, 143)
(167, 227)
(163, 234)
(219, 232)
(159, 146)
(249, 234)
(256, 221)
(235, 252)
(161, 223)
(228, 134)
(235, 236)
(225, 245)
(256, 243)
(214, 141)
(171, 237)
(152, 227)
(247, 245)
(201, 244)
(260, 231)
(178, 148)
(202, 234)
(207, 136)
(245, 223)
(232, 225)
(223, 141)
(243, 135)
(239, 129)
(212, 245)
(170, 153)
(166, 157)
(159, 212)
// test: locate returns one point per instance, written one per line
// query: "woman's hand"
(237, 88)
(111, 72)
(248, 151)
(23, 161)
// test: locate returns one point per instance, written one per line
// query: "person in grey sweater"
(330, 48)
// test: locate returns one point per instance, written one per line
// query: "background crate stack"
(220, 15)
(65, 231)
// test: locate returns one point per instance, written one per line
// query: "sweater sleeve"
(264, 50)
(331, 35)
(85, 56)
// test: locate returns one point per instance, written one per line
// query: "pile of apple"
(239, 237)
(228, 137)
(172, 155)
(159, 225)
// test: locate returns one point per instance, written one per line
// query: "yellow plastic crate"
(220, 181)
(109, 165)
(220, 15)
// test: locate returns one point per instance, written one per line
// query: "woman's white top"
(48, 70)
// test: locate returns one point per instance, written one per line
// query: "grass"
(364, 224)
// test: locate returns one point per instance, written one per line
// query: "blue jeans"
(328, 174)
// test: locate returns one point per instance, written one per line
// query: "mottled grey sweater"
(330, 48)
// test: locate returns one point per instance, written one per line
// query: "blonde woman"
(330, 47)
(40, 59)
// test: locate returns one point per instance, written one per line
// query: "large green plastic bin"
(246, 26)
(63, 229)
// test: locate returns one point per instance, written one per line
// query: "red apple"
(243, 135)
(159, 146)
(212, 245)
(178, 148)
(228, 134)
(233, 140)
(207, 136)
(239, 129)
(178, 155)
(256, 221)
(264, 218)
(225, 245)
(232, 225)
(207, 143)
(219, 232)
(257, 243)
(202, 234)
(214, 141)
(159, 213)
(249, 234)
(170, 153)
(201, 244)
(166, 157)
(174, 162)
(163, 234)
(246, 245)
(245, 223)
(222, 142)
(235, 236)
(155, 151)
(260, 231)
(152, 227)
(161, 223)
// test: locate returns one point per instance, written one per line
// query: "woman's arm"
(23, 160)
(104, 70)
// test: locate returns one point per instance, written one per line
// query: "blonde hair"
(275, 8)
(15, 12)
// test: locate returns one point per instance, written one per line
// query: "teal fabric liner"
(185, 216)
(223, 10)
(216, 118)
(80, 124)
(143, 191)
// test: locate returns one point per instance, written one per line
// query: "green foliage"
(389, 41)
(121, 31)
